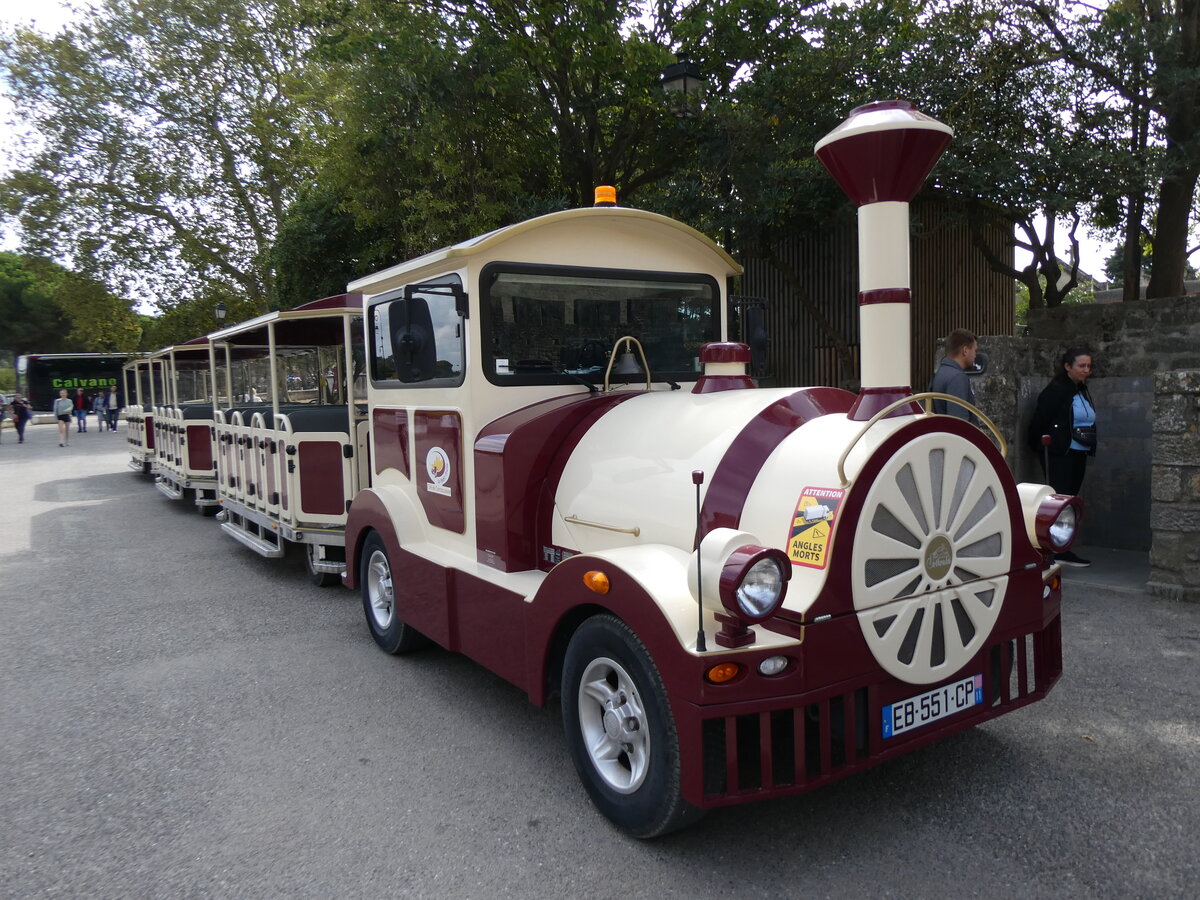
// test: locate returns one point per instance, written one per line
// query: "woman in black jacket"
(1066, 413)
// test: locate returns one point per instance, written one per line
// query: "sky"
(50, 15)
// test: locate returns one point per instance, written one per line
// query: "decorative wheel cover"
(931, 554)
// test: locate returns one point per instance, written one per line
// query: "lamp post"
(683, 80)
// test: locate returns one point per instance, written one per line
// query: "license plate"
(932, 705)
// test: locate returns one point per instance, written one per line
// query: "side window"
(417, 335)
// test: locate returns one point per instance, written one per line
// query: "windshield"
(548, 325)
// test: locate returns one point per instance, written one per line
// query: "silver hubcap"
(379, 590)
(613, 722)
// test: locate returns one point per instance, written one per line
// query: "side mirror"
(413, 341)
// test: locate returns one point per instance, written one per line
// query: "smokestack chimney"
(880, 156)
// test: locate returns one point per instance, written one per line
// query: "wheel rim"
(379, 590)
(612, 719)
(931, 557)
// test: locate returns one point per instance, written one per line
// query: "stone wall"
(1175, 520)
(1141, 338)
(1116, 489)
(1140, 457)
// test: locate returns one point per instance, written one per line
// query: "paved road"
(180, 718)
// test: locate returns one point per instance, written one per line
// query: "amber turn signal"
(596, 581)
(723, 672)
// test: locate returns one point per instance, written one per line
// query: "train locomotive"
(539, 449)
(735, 592)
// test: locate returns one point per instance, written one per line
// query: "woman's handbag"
(1085, 436)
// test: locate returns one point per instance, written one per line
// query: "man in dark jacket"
(951, 376)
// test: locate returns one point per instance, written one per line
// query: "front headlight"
(753, 582)
(1058, 522)
(761, 588)
(1062, 531)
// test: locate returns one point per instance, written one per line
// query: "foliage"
(1078, 295)
(46, 308)
(169, 137)
(452, 119)
(265, 153)
(1143, 56)
(32, 321)
(1114, 266)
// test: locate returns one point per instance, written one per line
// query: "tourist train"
(538, 448)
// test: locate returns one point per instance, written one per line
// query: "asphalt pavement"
(180, 718)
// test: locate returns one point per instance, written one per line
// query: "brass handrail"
(575, 520)
(927, 396)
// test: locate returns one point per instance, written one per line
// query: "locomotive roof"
(500, 235)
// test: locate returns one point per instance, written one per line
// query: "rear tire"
(379, 601)
(620, 730)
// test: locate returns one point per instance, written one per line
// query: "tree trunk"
(1171, 228)
(1180, 107)
(1131, 286)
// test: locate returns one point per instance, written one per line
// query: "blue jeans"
(112, 418)
(81, 419)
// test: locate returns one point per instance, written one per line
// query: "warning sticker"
(812, 526)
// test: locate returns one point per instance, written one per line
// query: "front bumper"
(752, 750)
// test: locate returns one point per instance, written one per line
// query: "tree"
(1166, 35)
(32, 321)
(46, 308)
(170, 136)
(452, 119)
(1114, 266)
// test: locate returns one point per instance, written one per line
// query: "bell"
(627, 364)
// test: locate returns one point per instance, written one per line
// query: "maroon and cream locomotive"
(546, 455)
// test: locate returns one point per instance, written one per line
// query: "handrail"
(913, 398)
(575, 520)
(612, 356)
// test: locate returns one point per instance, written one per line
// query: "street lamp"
(683, 79)
(220, 312)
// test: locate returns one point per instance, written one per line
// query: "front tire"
(620, 730)
(379, 601)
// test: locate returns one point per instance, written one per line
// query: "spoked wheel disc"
(930, 558)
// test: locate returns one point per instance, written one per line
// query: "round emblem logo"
(939, 557)
(437, 467)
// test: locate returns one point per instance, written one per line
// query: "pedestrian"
(111, 408)
(1063, 430)
(4, 407)
(21, 415)
(62, 411)
(951, 375)
(81, 410)
(98, 409)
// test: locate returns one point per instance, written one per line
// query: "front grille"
(793, 749)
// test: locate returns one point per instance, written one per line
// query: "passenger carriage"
(143, 382)
(291, 445)
(184, 436)
(737, 592)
